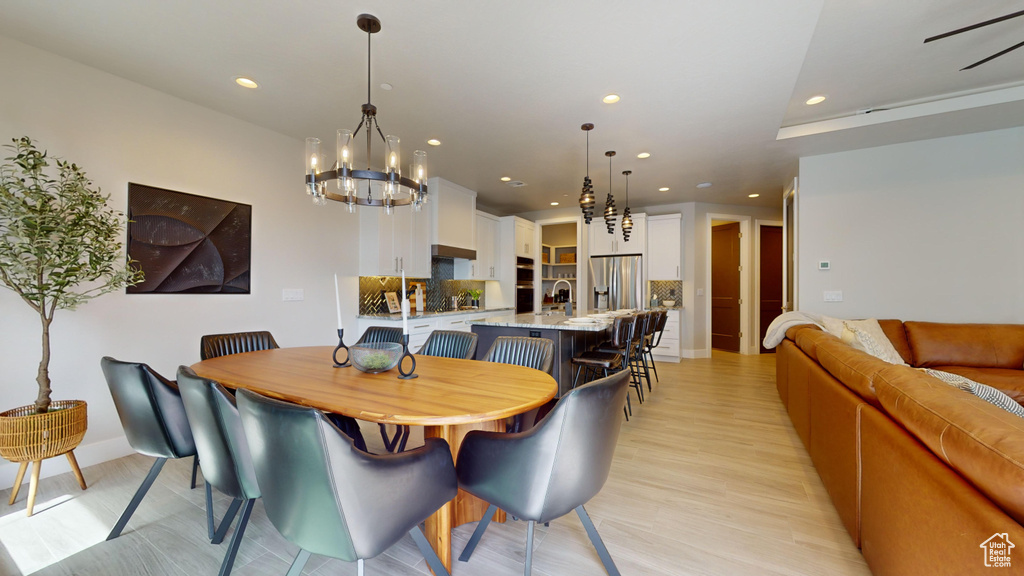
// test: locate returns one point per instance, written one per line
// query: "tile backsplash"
(667, 290)
(441, 286)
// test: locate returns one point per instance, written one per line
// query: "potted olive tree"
(60, 245)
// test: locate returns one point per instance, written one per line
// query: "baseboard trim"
(85, 454)
(699, 353)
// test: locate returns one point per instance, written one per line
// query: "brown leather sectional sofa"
(922, 474)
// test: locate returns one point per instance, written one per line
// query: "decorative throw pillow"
(984, 391)
(871, 339)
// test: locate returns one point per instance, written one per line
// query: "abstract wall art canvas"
(188, 244)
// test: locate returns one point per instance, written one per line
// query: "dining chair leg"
(17, 482)
(528, 567)
(475, 538)
(428, 552)
(397, 442)
(229, 516)
(595, 539)
(575, 378)
(647, 370)
(195, 468)
(154, 471)
(209, 511)
(299, 563)
(654, 366)
(236, 538)
(405, 438)
(359, 567)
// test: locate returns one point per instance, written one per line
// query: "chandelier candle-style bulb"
(345, 183)
(419, 176)
(314, 165)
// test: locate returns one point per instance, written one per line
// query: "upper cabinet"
(488, 252)
(391, 243)
(603, 244)
(453, 213)
(663, 238)
(524, 241)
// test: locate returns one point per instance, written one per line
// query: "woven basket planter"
(26, 436)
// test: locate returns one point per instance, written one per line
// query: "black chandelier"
(587, 196)
(387, 188)
(609, 204)
(627, 220)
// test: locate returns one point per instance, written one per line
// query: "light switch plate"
(833, 295)
(293, 294)
(700, 291)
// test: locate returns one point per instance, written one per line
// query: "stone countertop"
(543, 322)
(436, 314)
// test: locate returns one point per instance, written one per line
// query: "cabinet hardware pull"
(421, 326)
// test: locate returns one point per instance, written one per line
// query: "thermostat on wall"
(824, 265)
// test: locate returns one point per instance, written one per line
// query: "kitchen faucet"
(568, 303)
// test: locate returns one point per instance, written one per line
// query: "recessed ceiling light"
(663, 189)
(815, 100)
(752, 195)
(611, 99)
(246, 82)
(554, 203)
(506, 179)
(434, 142)
(386, 86)
(704, 185)
(643, 155)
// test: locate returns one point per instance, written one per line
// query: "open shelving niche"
(553, 267)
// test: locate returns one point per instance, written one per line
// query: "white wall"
(930, 230)
(122, 132)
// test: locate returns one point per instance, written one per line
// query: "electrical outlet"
(292, 294)
(833, 295)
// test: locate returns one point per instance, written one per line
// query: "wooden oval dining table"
(449, 398)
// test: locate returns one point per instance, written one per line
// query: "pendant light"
(392, 188)
(609, 205)
(587, 196)
(627, 220)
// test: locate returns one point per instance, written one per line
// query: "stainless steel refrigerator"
(617, 282)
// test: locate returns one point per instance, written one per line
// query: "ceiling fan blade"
(993, 57)
(974, 27)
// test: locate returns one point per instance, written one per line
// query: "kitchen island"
(570, 339)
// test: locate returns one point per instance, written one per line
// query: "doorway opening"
(768, 282)
(728, 326)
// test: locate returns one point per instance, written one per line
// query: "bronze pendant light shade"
(627, 220)
(609, 205)
(587, 196)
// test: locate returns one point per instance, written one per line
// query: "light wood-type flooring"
(709, 478)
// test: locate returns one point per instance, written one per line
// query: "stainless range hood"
(441, 251)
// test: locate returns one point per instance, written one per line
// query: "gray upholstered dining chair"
(375, 334)
(328, 497)
(440, 343)
(214, 345)
(154, 420)
(550, 470)
(220, 442)
(537, 353)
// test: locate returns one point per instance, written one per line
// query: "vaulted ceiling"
(714, 91)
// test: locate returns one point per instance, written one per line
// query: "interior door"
(770, 285)
(790, 294)
(725, 287)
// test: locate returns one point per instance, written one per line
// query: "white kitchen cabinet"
(488, 251)
(390, 243)
(453, 214)
(668, 347)
(419, 329)
(524, 240)
(603, 244)
(663, 242)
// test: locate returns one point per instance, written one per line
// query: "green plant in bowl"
(376, 357)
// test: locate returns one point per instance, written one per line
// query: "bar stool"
(618, 347)
(655, 339)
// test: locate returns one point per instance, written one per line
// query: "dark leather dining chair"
(537, 353)
(154, 420)
(374, 334)
(328, 497)
(450, 344)
(550, 470)
(443, 344)
(214, 345)
(220, 441)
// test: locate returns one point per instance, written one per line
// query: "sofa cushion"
(1009, 382)
(854, 368)
(808, 341)
(897, 334)
(983, 443)
(987, 393)
(975, 345)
